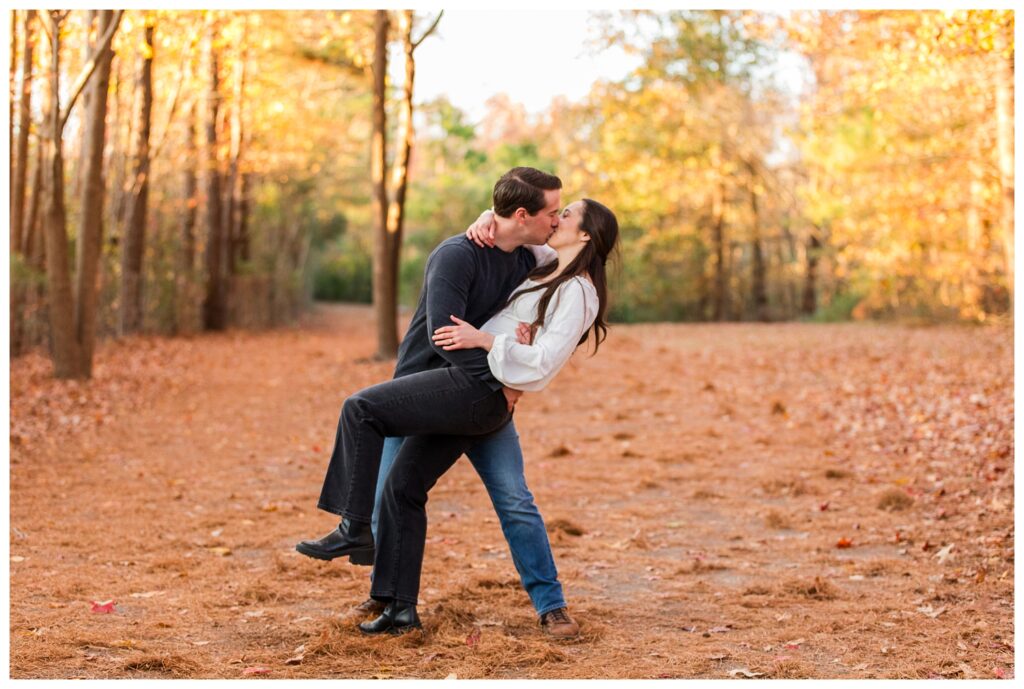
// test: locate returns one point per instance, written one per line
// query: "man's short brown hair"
(522, 187)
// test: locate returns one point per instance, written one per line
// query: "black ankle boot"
(397, 618)
(351, 538)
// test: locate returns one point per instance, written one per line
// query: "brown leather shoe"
(366, 608)
(559, 624)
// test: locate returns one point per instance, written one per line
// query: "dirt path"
(712, 471)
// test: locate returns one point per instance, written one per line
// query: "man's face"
(540, 226)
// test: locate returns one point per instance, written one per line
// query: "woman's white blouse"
(570, 313)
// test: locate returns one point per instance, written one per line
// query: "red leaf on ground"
(256, 671)
(103, 607)
(823, 506)
(316, 448)
(473, 638)
(844, 543)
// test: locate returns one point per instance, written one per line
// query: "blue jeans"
(498, 460)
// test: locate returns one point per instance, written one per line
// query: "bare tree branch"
(416, 44)
(89, 67)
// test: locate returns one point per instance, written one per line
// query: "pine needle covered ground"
(829, 501)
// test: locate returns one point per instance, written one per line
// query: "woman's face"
(569, 232)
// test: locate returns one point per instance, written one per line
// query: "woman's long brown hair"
(603, 228)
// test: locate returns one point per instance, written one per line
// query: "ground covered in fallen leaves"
(829, 501)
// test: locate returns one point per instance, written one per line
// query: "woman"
(563, 301)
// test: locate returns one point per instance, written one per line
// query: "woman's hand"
(481, 232)
(524, 333)
(462, 335)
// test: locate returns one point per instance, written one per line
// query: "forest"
(183, 171)
(793, 456)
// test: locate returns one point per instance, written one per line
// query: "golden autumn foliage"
(904, 150)
(881, 185)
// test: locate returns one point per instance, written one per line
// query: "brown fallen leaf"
(257, 670)
(745, 672)
(930, 612)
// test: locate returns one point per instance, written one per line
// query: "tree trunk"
(384, 282)
(234, 181)
(134, 246)
(759, 289)
(228, 202)
(214, 313)
(1004, 141)
(810, 300)
(720, 297)
(20, 174)
(186, 264)
(244, 249)
(30, 323)
(90, 237)
(240, 139)
(65, 349)
(399, 183)
(10, 105)
(124, 109)
(32, 239)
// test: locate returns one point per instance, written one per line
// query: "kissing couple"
(502, 309)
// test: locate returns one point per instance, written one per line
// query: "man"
(462, 277)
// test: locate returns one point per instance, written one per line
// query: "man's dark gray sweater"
(471, 283)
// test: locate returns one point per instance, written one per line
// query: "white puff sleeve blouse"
(530, 368)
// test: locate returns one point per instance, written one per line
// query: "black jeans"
(445, 401)
(402, 527)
